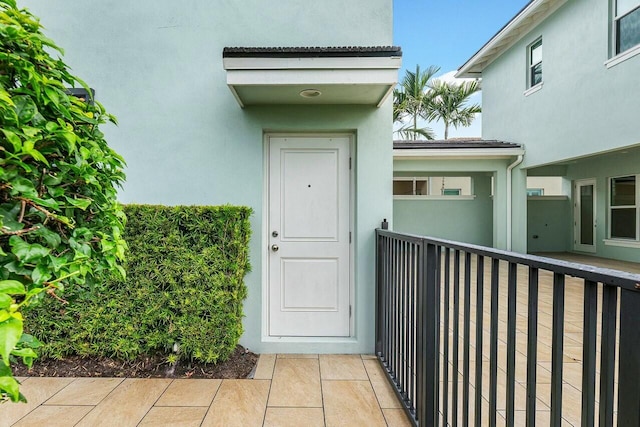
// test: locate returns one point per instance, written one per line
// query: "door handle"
(274, 248)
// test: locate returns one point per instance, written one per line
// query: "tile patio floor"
(287, 390)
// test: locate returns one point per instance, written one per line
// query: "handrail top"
(622, 279)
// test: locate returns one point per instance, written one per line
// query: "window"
(410, 186)
(432, 187)
(535, 63)
(535, 192)
(623, 208)
(626, 24)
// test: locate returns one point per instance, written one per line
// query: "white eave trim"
(518, 27)
(458, 153)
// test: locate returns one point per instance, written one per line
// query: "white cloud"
(449, 77)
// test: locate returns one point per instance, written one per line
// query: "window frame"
(615, 19)
(530, 65)
(611, 208)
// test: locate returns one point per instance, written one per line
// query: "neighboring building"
(210, 114)
(454, 189)
(562, 78)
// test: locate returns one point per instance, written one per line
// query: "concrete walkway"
(287, 390)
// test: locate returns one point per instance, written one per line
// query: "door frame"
(264, 235)
(576, 215)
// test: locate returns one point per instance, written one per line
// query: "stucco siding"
(582, 108)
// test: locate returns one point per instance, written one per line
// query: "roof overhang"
(529, 17)
(456, 150)
(312, 76)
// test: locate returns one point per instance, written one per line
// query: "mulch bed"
(239, 365)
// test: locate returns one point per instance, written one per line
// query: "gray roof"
(453, 143)
(311, 52)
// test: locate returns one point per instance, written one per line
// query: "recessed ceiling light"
(310, 93)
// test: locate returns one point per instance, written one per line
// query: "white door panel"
(309, 265)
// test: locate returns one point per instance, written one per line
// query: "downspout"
(509, 207)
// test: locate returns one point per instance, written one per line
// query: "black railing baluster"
(557, 347)
(466, 339)
(416, 315)
(532, 346)
(608, 353)
(479, 336)
(456, 336)
(589, 353)
(493, 342)
(511, 341)
(446, 335)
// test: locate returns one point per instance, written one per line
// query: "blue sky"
(446, 33)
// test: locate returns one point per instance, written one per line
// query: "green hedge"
(185, 284)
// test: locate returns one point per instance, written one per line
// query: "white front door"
(584, 197)
(309, 254)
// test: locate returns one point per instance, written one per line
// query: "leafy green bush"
(60, 225)
(185, 270)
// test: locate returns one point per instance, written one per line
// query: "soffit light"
(310, 93)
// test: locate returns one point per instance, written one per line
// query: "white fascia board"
(458, 153)
(359, 63)
(277, 77)
(530, 17)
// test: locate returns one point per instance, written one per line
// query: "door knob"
(274, 234)
(274, 248)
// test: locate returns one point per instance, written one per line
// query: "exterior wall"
(583, 107)
(469, 221)
(450, 219)
(158, 68)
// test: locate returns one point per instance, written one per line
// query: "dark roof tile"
(453, 143)
(311, 52)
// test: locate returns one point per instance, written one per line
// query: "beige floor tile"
(368, 356)
(351, 403)
(54, 416)
(189, 393)
(239, 403)
(85, 391)
(294, 417)
(127, 404)
(36, 390)
(297, 356)
(342, 367)
(174, 417)
(383, 390)
(396, 418)
(264, 367)
(296, 383)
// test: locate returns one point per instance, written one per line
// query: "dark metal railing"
(424, 333)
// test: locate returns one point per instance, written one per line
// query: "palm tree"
(411, 100)
(448, 104)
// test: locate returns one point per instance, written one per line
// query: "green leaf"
(10, 332)
(79, 203)
(25, 108)
(24, 186)
(10, 386)
(27, 355)
(12, 287)
(5, 301)
(26, 252)
(53, 239)
(40, 274)
(13, 139)
(52, 94)
(30, 341)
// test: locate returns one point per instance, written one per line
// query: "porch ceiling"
(312, 76)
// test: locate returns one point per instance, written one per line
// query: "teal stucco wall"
(548, 224)
(469, 221)
(157, 65)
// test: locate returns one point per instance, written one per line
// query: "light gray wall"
(582, 108)
(157, 65)
(469, 221)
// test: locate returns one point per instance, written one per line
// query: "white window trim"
(533, 89)
(471, 197)
(623, 243)
(530, 66)
(621, 57)
(629, 243)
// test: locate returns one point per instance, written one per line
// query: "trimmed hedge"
(185, 284)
